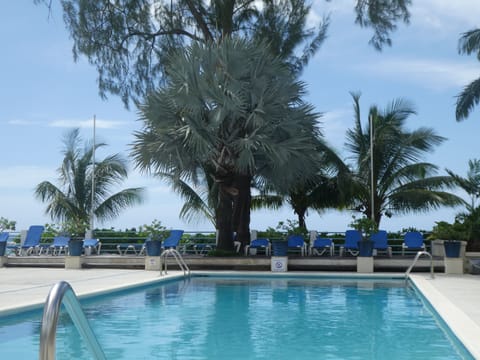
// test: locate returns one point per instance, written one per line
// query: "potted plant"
(367, 227)
(5, 224)
(451, 236)
(75, 229)
(156, 232)
(284, 229)
(277, 239)
(3, 242)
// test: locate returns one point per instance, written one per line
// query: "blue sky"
(45, 93)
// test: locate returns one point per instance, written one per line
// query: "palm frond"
(467, 100)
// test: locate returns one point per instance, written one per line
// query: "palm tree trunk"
(242, 205)
(224, 220)
(301, 218)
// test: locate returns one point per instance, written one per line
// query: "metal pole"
(92, 224)
(372, 187)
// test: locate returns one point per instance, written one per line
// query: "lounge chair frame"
(352, 237)
(320, 246)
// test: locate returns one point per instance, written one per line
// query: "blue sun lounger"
(297, 242)
(172, 241)
(352, 237)
(413, 241)
(90, 245)
(380, 242)
(135, 248)
(60, 243)
(32, 241)
(260, 243)
(320, 246)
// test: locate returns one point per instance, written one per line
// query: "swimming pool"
(250, 318)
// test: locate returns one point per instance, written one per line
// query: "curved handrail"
(62, 291)
(178, 258)
(420, 253)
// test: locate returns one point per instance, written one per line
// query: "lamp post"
(89, 234)
(372, 187)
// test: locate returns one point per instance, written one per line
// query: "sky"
(44, 94)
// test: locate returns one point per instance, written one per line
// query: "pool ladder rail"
(420, 253)
(63, 292)
(178, 258)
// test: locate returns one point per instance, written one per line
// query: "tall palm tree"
(469, 220)
(468, 43)
(230, 112)
(323, 190)
(402, 183)
(71, 201)
(471, 183)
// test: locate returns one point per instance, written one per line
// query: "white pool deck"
(455, 297)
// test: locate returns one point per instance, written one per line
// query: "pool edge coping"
(464, 328)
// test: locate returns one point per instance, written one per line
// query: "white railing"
(178, 258)
(420, 253)
(63, 292)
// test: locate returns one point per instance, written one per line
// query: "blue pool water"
(249, 318)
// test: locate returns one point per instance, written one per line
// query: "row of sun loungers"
(32, 246)
(318, 246)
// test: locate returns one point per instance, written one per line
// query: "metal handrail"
(420, 253)
(178, 258)
(62, 291)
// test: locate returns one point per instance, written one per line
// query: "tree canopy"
(71, 201)
(402, 182)
(229, 112)
(469, 97)
(128, 41)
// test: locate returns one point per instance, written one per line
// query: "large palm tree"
(71, 201)
(471, 183)
(402, 183)
(229, 112)
(323, 190)
(470, 96)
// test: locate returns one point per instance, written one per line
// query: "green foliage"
(364, 224)
(52, 230)
(271, 233)
(6, 224)
(469, 97)
(225, 126)
(402, 181)
(131, 39)
(71, 202)
(383, 17)
(155, 231)
(282, 230)
(76, 228)
(446, 231)
(470, 184)
(292, 227)
(128, 40)
(72, 228)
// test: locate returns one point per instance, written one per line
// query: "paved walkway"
(27, 288)
(455, 297)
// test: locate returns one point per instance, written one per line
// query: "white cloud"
(64, 123)
(101, 124)
(335, 124)
(25, 177)
(22, 122)
(431, 74)
(443, 15)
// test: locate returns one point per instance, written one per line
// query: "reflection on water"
(253, 318)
